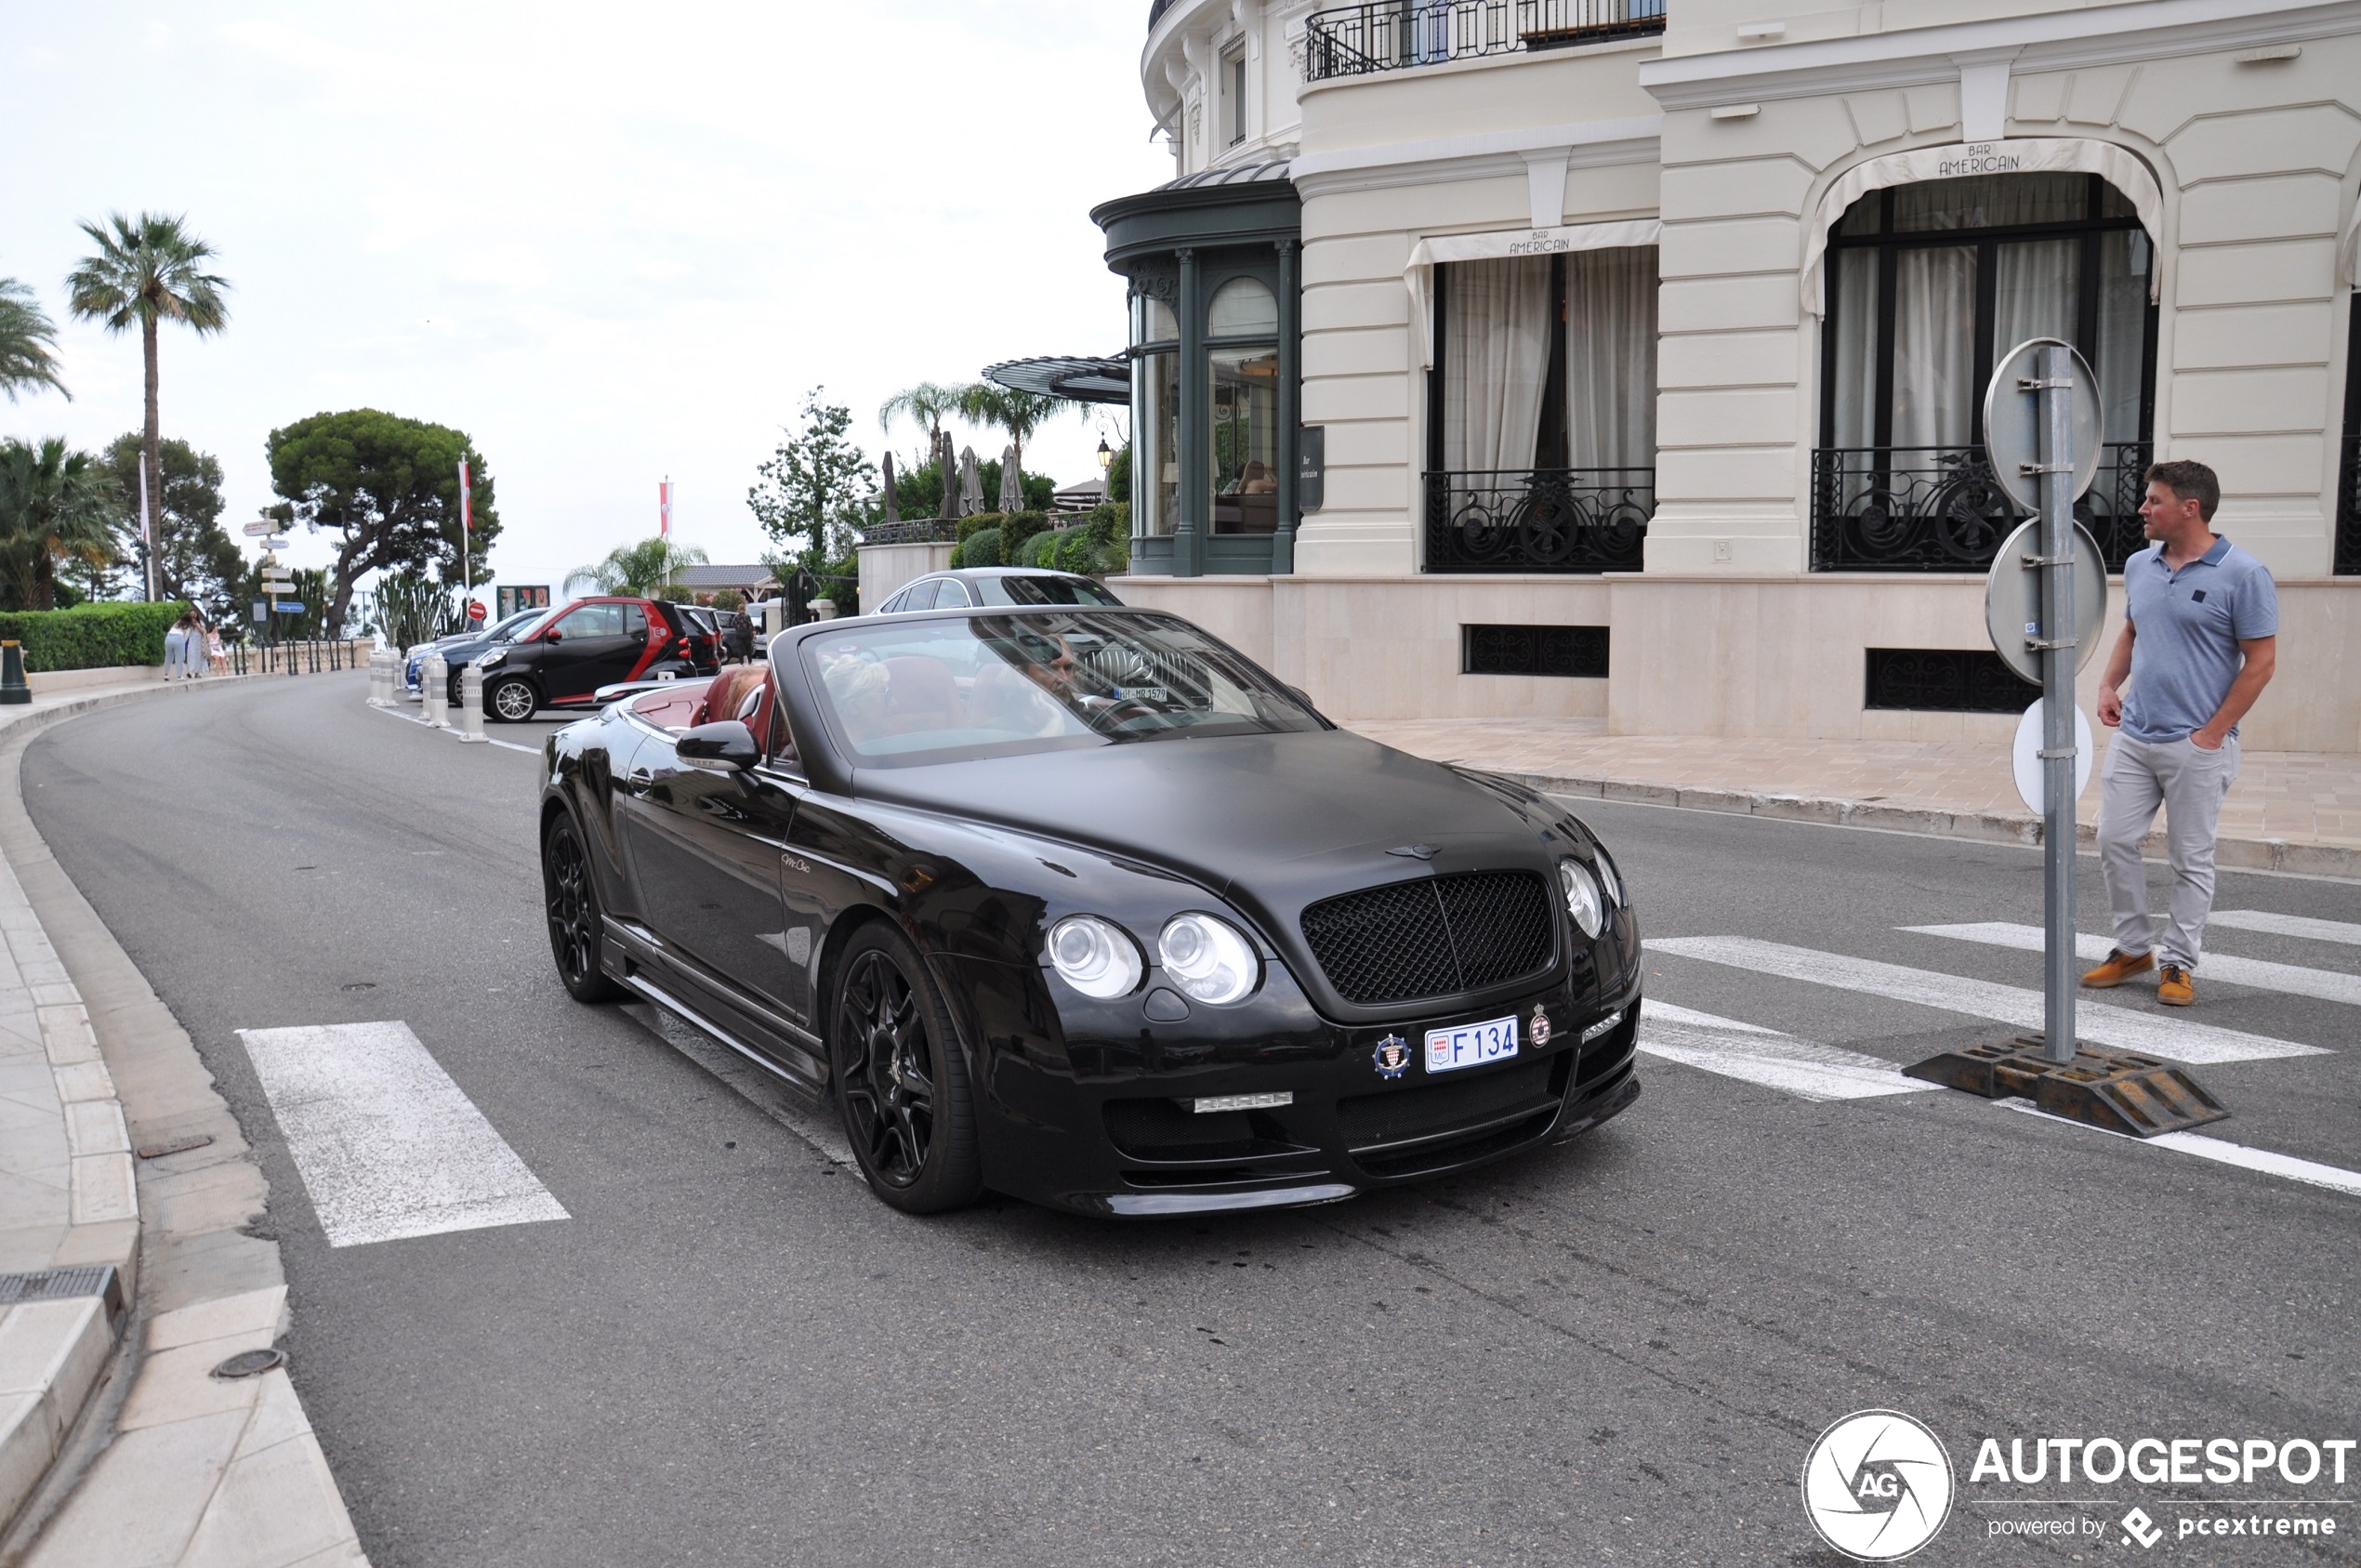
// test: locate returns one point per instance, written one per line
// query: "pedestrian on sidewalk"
(2199, 642)
(216, 655)
(175, 647)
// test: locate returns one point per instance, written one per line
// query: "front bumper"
(1094, 1113)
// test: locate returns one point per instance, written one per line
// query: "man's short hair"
(2189, 481)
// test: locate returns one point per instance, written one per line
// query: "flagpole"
(147, 533)
(467, 534)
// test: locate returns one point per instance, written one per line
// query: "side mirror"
(722, 747)
(553, 635)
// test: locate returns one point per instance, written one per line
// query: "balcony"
(1392, 34)
(1542, 519)
(1938, 509)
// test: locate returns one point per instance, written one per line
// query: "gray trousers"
(2189, 784)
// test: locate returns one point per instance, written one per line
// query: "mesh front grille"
(1433, 937)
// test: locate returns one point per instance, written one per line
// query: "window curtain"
(1610, 358)
(1495, 359)
(1856, 352)
(2124, 263)
(2036, 292)
(1935, 347)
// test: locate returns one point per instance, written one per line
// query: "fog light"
(1601, 1027)
(1243, 1102)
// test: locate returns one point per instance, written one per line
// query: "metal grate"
(1510, 650)
(1945, 680)
(1538, 520)
(1454, 933)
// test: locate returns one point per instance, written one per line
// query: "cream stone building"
(1623, 358)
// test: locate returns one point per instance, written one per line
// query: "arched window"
(1241, 307)
(1929, 284)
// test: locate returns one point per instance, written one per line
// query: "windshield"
(1041, 590)
(902, 693)
(506, 631)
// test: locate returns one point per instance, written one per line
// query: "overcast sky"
(609, 242)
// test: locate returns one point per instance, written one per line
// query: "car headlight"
(1582, 896)
(1208, 959)
(498, 655)
(1097, 957)
(1607, 877)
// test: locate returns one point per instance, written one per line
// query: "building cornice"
(2065, 40)
(1585, 143)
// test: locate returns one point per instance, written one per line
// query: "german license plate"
(1471, 1045)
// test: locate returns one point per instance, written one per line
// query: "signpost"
(2045, 604)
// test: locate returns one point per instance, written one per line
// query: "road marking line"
(387, 1146)
(530, 750)
(2221, 1151)
(2344, 932)
(1804, 1068)
(2171, 1037)
(2290, 979)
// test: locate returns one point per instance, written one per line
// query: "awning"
(1079, 379)
(2031, 155)
(1498, 244)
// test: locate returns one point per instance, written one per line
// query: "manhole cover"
(248, 1364)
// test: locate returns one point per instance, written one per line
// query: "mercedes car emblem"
(1392, 1057)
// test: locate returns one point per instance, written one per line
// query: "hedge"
(90, 636)
(981, 548)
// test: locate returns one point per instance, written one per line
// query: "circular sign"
(2026, 754)
(2012, 421)
(2012, 599)
(475, 610)
(1877, 1485)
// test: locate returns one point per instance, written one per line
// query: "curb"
(150, 1459)
(1987, 827)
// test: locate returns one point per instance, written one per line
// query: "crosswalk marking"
(2176, 1039)
(2344, 932)
(387, 1146)
(2288, 979)
(2223, 1152)
(1805, 1068)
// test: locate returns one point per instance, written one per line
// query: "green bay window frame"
(1968, 512)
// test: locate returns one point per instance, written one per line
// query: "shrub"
(1021, 527)
(1075, 551)
(90, 636)
(728, 599)
(982, 549)
(971, 526)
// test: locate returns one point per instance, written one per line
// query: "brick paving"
(2292, 797)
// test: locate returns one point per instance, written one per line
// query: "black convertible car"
(1081, 906)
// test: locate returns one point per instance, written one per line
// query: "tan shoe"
(2120, 965)
(2175, 988)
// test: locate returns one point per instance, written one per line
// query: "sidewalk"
(126, 1279)
(2289, 811)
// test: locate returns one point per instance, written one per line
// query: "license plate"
(1471, 1045)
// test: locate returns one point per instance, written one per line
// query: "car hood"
(1270, 822)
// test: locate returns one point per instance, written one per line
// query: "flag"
(664, 510)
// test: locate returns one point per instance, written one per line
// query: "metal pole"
(2057, 697)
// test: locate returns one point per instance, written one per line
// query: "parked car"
(460, 647)
(997, 586)
(699, 645)
(950, 870)
(564, 658)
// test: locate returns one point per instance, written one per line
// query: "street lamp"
(1106, 456)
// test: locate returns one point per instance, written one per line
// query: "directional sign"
(289, 607)
(257, 530)
(276, 542)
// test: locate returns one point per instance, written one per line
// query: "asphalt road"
(1619, 1351)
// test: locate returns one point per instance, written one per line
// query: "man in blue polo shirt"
(2200, 639)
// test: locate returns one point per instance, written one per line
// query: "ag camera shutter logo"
(1877, 1485)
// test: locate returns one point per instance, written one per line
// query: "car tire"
(578, 927)
(901, 1080)
(510, 700)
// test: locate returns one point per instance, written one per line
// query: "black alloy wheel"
(576, 926)
(901, 1082)
(511, 699)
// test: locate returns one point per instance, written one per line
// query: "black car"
(1083, 906)
(461, 648)
(997, 586)
(563, 659)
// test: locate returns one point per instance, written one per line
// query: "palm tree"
(644, 569)
(55, 505)
(1004, 408)
(148, 271)
(924, 403)
(28, 342)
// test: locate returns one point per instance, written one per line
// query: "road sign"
(2012, 423)
(276, 542)
(258, 529)
(261, 612)
(2012, 600)
(289, 607)
(475, 610)
(2027, 754)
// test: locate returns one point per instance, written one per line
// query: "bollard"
(470, 702)
(376, 681)
(434, 691)
(12, 683)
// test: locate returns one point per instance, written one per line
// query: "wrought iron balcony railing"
(1391, 34)
(917, 530)
(1541, 520)
(2348, 561)
(1938, 509)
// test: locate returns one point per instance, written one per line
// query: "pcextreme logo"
(1877, 1485)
